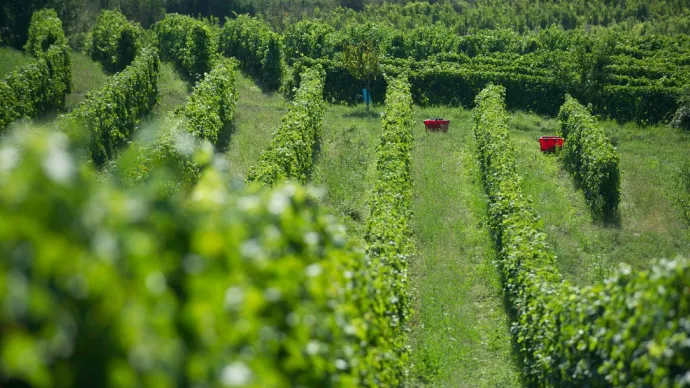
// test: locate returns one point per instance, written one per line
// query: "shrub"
(45, 30)
(389, 243)
(592, 159)
(256, 47)
(223, 288)
(114, 41)
(291, 152)
(209, 109)
(620, 333)
(37, 87)
(441, 84)
(681, 119)
(310, 38)
(682, 199)
(111, 113)
(188, 43)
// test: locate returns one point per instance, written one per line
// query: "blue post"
(367, 96)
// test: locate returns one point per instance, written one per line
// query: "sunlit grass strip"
(633, 329)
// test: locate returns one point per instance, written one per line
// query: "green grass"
(460, 334)
(87, 75)
(651, 226)
(258, 114)
(11, 59)
(174, 90)
(345, 164)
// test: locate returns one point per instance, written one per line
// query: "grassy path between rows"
(650, 226)
(256, 116)
(87, 75)
(460, 332)
(346, 163)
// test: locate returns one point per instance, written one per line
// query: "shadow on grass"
(609, 218)
(224, 136)
(361, 113)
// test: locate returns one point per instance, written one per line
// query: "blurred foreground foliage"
(122, 287)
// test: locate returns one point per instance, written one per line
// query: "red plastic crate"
(549, 143)
(437, 125)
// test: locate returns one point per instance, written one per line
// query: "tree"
(362, 55)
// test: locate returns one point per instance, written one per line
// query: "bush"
(682, 199)
(291, 152)
(111, 113)
(223, 288)
(389, 243)
(114, 41)
(441, 84)
(619, 333)
(45, 30)
(188, 43)
(592, 159)
(644, 104)
(256, 47)
(681, 119)
(37, 87)
(209, 109)
(310, 38)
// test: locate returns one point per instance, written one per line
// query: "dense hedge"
(41, 85)
(291, 152)
(257, 47)
(111, 113)
(591, 157)
(110, 287)
(339, 85)
(187, 42)
(312, 39)
(45, 30)
(630, 331)
(114, 41)
(210, 108)
(388, 239)
(537, 70)
(441, 84)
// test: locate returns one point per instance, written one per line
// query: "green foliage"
(522, 16)
(211, 107)
(114, 41)
(681, 119)
(175, 289)
(257, 48)
(45, 30)
(37, 87)
(110, 114)
(624, 76)
(310, 38)
(682, 199)
(389, 243)
(291, 153)
(619, 333)
(187, 42)
(443, 84)
(41, 85)
(339, 85)
(362, 52)
(592, 159)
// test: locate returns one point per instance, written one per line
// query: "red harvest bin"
(549, 143)
(437, 124)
